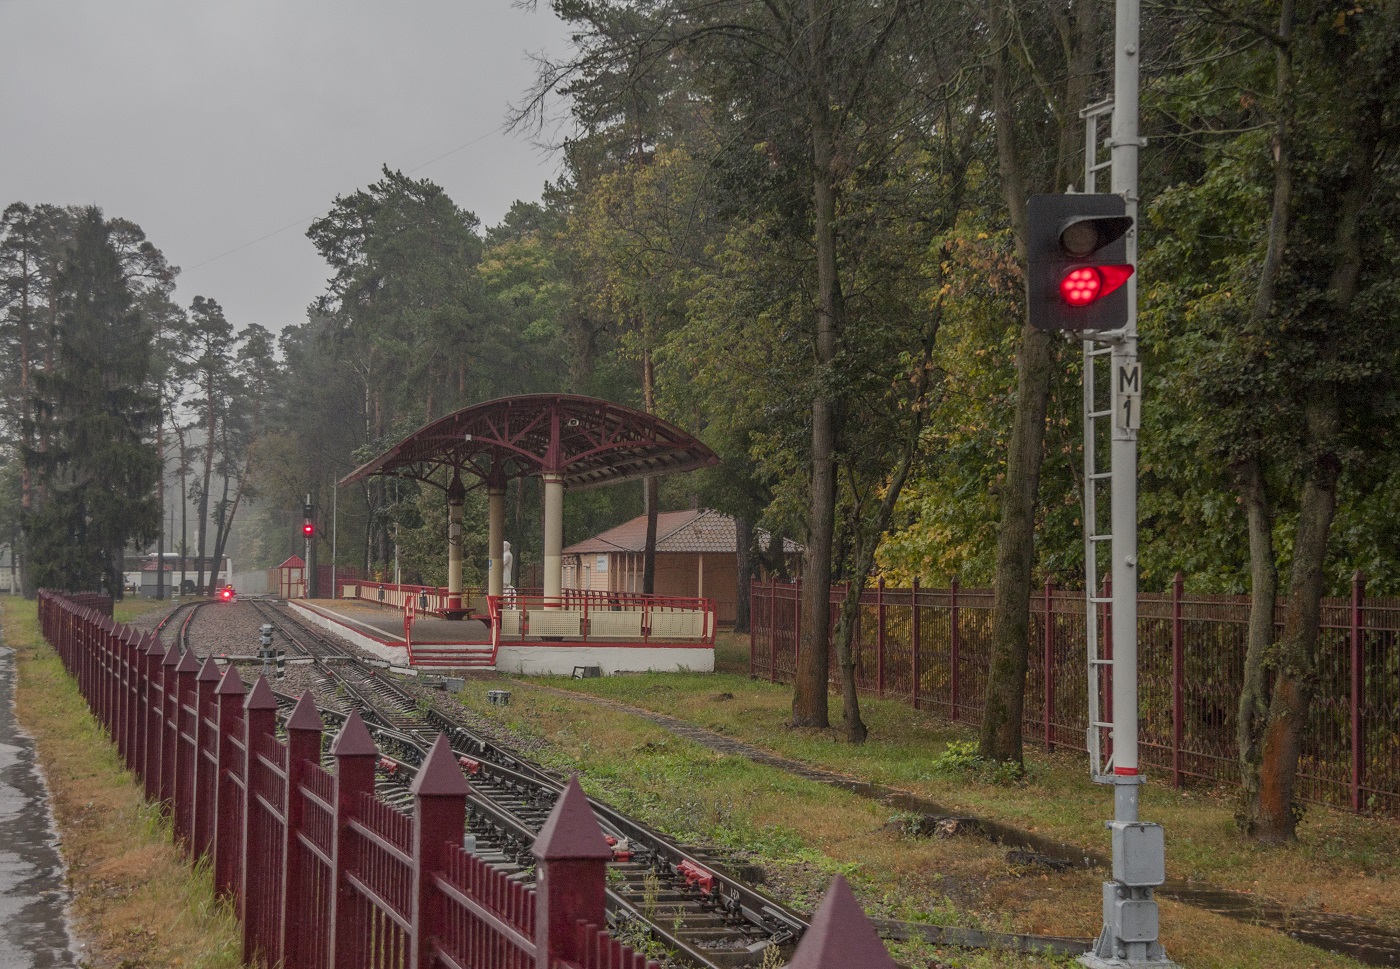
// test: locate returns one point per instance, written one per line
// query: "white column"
(495, 538)
(454, 554)
(553, 535)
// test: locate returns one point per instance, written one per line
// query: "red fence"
(322, 873)
(930, 647)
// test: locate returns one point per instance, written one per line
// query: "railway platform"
(534, 638)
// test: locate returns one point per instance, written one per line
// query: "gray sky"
(214, 124)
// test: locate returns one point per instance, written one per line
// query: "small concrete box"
(1139, 853)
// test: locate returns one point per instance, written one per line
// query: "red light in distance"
(308, 529)
(1086, 284)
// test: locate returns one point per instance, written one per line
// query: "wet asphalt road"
(33, 898)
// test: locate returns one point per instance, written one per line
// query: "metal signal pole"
(1130, 917)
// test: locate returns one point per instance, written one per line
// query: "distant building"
(696, 555)
(141, 573)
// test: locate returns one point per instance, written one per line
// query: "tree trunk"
(743, 566)
(1000, 738)
(1263, 594)
(650, 500)
(207, 479)
(1276, 817)
(650, 490)
(809, 700)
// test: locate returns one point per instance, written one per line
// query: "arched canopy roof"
(589, 442)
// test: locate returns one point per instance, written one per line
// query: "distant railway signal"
(308, 529)
(1077, 261)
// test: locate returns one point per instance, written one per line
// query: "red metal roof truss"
(589, 442)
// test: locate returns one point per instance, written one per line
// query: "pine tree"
(95, 409)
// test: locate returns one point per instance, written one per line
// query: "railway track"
(681, 900)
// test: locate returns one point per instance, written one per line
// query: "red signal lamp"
(308, 529)
(226, 593)
(1088, 284)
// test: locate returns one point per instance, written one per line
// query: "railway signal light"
(308, 529)
(1077, 266)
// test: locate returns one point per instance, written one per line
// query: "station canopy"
(587, 441)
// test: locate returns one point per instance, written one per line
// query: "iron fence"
(930, 647)
(323, 875)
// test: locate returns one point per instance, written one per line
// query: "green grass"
(136, 903)
(1342, 862)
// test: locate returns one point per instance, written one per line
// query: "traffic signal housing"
(1077, 261)
(308, 529)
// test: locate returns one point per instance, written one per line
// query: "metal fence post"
(228, 856)
(1047, 674)
(182, 812)
(131, 698)
(439, 818)
(772, 631)
(915, 671)
(355, 756)
(1178, 677)
(168, 723)
(1358, 684)
(203, 797)
(304, 728)
(954, 666)
(570, 878)
(880, 636)
(796, 623)
(260, 718)
(150, 716)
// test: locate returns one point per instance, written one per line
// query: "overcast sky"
(215, 124)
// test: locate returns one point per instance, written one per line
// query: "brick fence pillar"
(355, 756)
(228, 830)
(570, 877)
(439, 819)
(304, 728)
(206, 745)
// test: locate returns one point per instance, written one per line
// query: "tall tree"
(209, 369)
(95, 405)
(1044, 63)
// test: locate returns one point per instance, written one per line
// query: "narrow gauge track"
(183, 636)
(703, 916)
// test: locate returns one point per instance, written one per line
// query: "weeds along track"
(660, 896)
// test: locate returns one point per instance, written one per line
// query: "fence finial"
(209, 672)
(261, 698)
(304, 715)
(571, 830)
(231, 683)
(841, 937)
(440, 775)
(188, 663)
(354, 739)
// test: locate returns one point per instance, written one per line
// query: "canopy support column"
(495, 538)
(456, 497)
(553, 536)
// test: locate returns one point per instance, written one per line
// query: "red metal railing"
(322, 874)
(583, 616)
(930, 648)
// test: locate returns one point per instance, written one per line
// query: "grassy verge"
(803, 832)
(137, 903)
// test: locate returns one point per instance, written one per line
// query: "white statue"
(507, 560)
